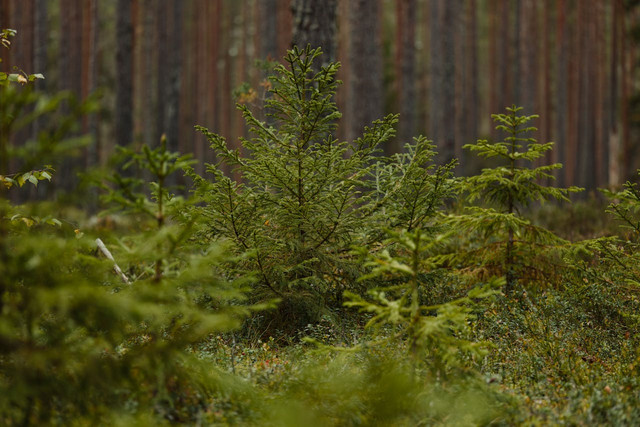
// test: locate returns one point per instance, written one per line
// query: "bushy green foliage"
(436, 334)
(76, 344)
(304, 198)
(502, 240)
(607, 267)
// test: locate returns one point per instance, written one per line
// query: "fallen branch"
(116, 268)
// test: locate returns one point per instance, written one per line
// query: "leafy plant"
(57, 118)
(21, 76)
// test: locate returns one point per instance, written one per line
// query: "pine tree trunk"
(199, 22)
(526, 79)
(625, 59)
(585, 142)
(162, 67)
(285, 27)
(546, 108)
(442, 104)
(505, 70)
(147, 102)
(405, 73)
(494, 67)
(124, 74)
(435, 68)
(173, 73)
(365, 100)
(40, 52)
(599, 103)
(562, 95)
(614, 137)
(213, 55)
(70, 77)
(344, 73)
(314, 23)
(471, 104)
(267, 39)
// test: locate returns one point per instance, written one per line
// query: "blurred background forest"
(163, 66)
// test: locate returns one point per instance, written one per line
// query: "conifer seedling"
(506, 242)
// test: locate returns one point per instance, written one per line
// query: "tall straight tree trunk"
(625, 56)
(405, 72)
(40, 52)
(314, 23)
(573, 95)
(213, 55)
(526, 79)
(365, 100)
(442, 87)
(435, 68)
(226, 106)
(162, 67)
(23, 43)
(241, 64)
(199, 21)
(267, 34)
(499, 67)
(71, 46)
(562, 86)
(470, 113)
(615, 177)
(599, 103)
(344, 73)
(494, 83)
(90, 46)
(5, 22)
(70, 77)
(585, 144)
(504, 76)
(22, 18)
(5, 65)
(173, 73)
(460, 63)
(546, 108)
(515, 52)
(124, 74)
(148, 44)
(285, 27)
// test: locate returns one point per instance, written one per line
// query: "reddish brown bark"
(405, 73)
(599, 61)
(546, 109)
(285, 27)
(625, 96)
(365, 56)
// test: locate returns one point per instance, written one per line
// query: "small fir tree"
(77, 345)
(438, 334)
(502, 241)
(304, 198)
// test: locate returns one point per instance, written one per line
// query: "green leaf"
(53, 221)
(22, 178)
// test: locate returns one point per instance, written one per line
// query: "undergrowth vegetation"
(309, 281)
